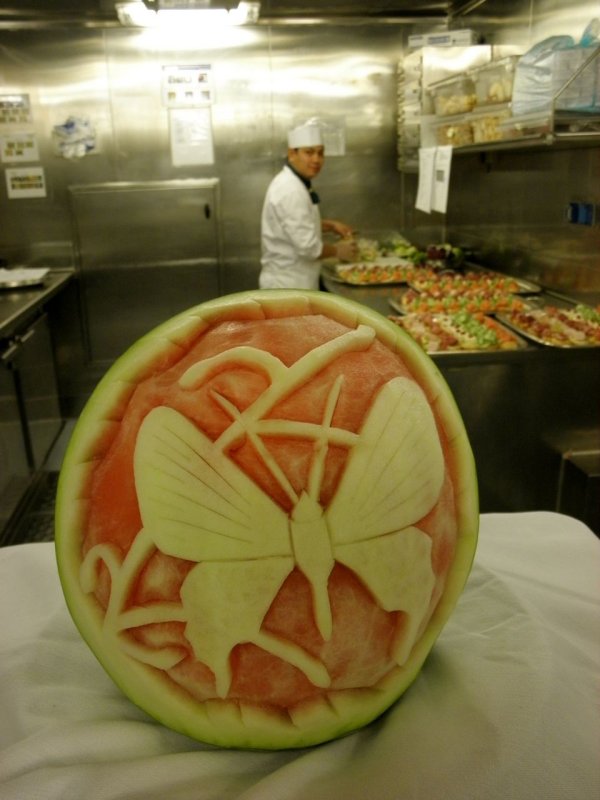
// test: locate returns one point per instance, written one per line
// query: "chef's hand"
(343, 230)
(346, 250)
(334, 225)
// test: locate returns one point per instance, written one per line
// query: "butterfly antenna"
(321, 445)
(246, 430)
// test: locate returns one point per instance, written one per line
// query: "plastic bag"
(545, 69)
(74, 139)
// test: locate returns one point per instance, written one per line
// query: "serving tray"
(556, 326)
(19, 277)
(475, 280)
(383, 271)
(410, 301)
(458, 333)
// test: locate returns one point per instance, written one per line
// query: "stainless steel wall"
(265, 80)
(510, 207)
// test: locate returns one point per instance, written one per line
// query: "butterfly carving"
(197, 504)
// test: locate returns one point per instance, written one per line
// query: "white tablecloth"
(505, 708)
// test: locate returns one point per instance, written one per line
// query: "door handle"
(11, 351)
(25, 337)
(14, 347)
(207, 210)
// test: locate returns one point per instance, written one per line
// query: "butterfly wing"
(393, 477)
(195, 502)
(396, 568)
(245, 590)
(394, 474)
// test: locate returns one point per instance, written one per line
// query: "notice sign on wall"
(434, 178)
(191, 137)
(15, 109)
(22, 182)
(19, 147)
(187, 87)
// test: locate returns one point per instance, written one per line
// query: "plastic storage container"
(486, 125)
(494, 81)
(457, 133)
(454, 95)
(526, 126)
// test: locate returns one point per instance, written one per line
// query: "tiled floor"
(37, 523)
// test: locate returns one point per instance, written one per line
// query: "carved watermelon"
(266, 513)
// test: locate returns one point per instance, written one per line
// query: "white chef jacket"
(291, 237)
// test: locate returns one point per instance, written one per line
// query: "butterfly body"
(313, 555)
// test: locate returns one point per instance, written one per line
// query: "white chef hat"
(306, 135)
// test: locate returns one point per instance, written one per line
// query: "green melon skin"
(218, 720)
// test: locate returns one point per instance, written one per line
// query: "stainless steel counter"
(17, 305)
(30, 408)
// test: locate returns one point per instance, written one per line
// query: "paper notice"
(191, 137)
(441, 183)
(25, 182)
(426, 178)
(187, 86)
(19, 147)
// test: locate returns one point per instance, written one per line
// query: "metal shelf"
(560, 129)
(552, 127)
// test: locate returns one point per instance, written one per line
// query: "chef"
(291, 224)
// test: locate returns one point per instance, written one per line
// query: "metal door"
(145, 252)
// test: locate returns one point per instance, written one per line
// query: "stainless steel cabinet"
(30, 417)
(36, 373)
(14, 460)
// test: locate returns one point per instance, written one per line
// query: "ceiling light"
(179, 13)
(184, 17)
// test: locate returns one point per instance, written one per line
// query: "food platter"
(458, 333)
(473, 281)
(410, 301)
(394, 260)
(524, 286)
(556, 326)
(385, 270)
